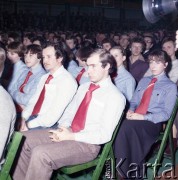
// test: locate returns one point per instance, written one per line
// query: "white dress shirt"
(104, 112)
(58, 94)
(18, 69)
(7, 120)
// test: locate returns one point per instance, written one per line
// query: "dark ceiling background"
(127, 14)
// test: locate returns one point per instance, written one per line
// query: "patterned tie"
(80, 75)
(144, 103)
(25, 82)
(78, 122)
(39, 103)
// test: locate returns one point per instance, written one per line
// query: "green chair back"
(98, 163)
(164, 138)
(11, 153)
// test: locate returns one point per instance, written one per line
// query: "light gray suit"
(7, 120)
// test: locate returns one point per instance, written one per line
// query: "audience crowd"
(49, 72)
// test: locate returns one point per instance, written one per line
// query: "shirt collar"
(18, 62)
(160, 76)
(80, 68)
(58, 71)
(139, 58)
(175, 61)
(36, 69)
(105, 82)
(120, 68)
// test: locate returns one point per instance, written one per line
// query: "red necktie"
(80, 75)
(25, 82)
(144, 103)
(78, 122)
(39, 103)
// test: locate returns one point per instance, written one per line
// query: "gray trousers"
(40, 156)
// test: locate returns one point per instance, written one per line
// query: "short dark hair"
(159, 55)
(34, 49)
(151, 37)
(116, 34)
(70, 37)
(162, 56)
(168, 39)
(30, 36)
(106, 58)
(15, 36)
(120, 48)
(125, 34)
(80, 36)
(16, 47)
(123, 52)
(87, 43)
(138, 40)
(59, 50)
(41, 40)
(108, 40)
(83, 53)
(4, 38)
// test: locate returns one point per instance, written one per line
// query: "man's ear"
(59, 59)
(124, 58)
(108, 66)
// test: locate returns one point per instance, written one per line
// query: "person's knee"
(125, 126)
(39, 154)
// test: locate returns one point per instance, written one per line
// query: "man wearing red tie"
(87, 122)
(151, 104)
(26, 84)
(54, 92)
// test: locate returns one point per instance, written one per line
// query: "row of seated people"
(134, 61)
(52, 102)
(137, 47)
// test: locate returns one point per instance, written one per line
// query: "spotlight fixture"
(154, 10)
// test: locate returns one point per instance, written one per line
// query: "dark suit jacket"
(7, 74)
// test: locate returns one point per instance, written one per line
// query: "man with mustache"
(54, 91)
(87, 122)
